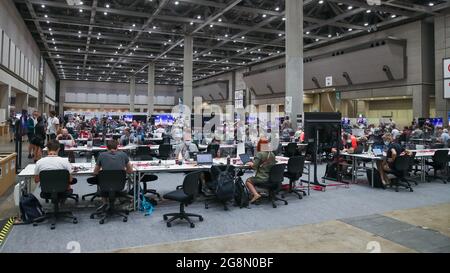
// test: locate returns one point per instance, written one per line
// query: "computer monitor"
(204, 159)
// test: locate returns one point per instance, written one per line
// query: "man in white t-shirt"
(53, 162)
(395, 132)
(52, 125)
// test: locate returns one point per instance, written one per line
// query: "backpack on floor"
(225, 185)
(331, 171)
(241, 194)
(377, 183)
(30, 208)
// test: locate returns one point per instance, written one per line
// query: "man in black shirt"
(393, 151)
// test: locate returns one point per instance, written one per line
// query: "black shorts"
(37, 141)
(30, 136)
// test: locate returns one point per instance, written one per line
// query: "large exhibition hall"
(224, 126)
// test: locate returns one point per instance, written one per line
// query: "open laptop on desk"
(377, 152)
(245, 158)
(204, 159)
(67, 143)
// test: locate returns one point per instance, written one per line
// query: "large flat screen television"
(128, 118)
(328, 125)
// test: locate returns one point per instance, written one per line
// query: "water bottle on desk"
(92, 161)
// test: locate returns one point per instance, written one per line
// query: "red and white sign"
(446, 68)
(447, 89)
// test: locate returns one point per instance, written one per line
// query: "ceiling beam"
(89, 36)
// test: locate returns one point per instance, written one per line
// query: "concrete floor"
(330, 237)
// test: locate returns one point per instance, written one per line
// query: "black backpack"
(241, 194)
(331, 171)
(30, 208)
(225, 185)
(377, 183)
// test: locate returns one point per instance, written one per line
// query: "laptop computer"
(65, 142)
(204, 159)
(245, 158)
(377, 152)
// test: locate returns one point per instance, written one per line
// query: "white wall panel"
(12, 57)
(5, 53)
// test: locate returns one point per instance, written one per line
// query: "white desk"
(284, 144)
(423, 155)
(373, 159)
(84, 148)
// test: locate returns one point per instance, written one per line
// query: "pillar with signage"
(446, 83)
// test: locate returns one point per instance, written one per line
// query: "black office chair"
(111, 185)
(401, 166)
(291, 150)
(213, 149)
(54, 186)
(165, 151)
(294, 173)
(143, 153)
(149, 178)
(273, 185)
(439, 163)
(186, 195)
(61, 152)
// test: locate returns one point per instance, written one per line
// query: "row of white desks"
(141, 168)
(421, 154)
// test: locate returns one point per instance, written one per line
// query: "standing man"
(31, 124)
(52, 126)
(12, 126)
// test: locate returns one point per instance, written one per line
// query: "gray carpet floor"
(334, 203)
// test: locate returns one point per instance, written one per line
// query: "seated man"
(444, 138)
(66, 137)
(53, 162)
(112, 159)
(125, 139)
(185, 147)
(387, 165)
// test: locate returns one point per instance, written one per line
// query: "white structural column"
(187, 71)
(151, 89)
(294, 59)
(5, 99)
(132, 92)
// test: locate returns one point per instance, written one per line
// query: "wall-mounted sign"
(446, 68)
(447, 89)
(239, 99)
(329, 81)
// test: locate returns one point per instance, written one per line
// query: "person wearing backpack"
(262, 163)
